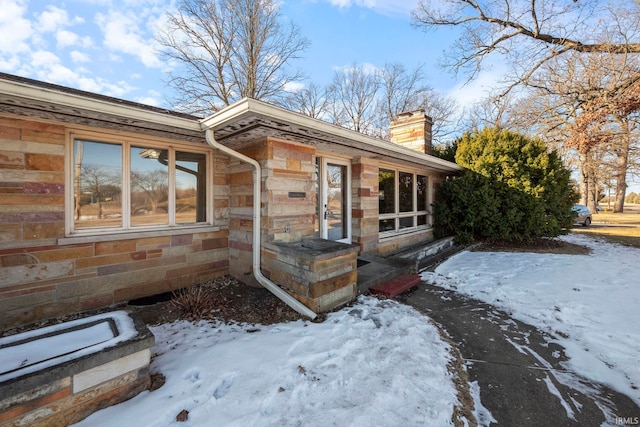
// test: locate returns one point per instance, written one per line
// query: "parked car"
(584, 215)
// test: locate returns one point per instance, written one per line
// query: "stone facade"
(364, 202)
(287, 168)
(48, 270)
(44, 275)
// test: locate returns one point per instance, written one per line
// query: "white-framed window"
(402, 201)
(128, 184)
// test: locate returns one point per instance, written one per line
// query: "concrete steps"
(396, 286)
(374, 271)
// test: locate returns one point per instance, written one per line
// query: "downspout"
(257, 245)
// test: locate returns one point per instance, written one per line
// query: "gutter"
(257, 244)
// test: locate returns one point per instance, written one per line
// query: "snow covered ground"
(381, 363)
(378, 363)
(589, 303)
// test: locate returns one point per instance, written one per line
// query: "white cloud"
(113, 57)
(52, 19)
(15, 30)
(66, 38)
(79, 57)
(294, 86)
(119, 89)
(385, 7)
(44, 59)
(148, 100)
(122, 34)
(48, 67)
(367, 68)
(10, 64)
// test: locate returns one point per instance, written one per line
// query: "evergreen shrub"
(513, 188)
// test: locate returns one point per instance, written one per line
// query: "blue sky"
(108, 46)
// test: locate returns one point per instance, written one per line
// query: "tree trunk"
(592, 197)
(589, 181)
(622, 165)
(583, 185)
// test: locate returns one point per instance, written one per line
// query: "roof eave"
(251, 106)
(54, 96)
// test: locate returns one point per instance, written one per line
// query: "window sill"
(106, 236)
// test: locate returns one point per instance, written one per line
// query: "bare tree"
(443, 110)
(588, 105)
(311, 101)
(100, 183)
(493, 111)
(153, 184)
(366, 99)
(402, 90)
(530, 33)
(353, 95)
(577, 55)
(228, 50)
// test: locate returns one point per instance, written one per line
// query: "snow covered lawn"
(589, 303)
(376, 363)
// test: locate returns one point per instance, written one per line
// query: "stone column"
(364, 200)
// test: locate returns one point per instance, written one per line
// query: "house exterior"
(104, 200)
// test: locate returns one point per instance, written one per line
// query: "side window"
(98, 184)
(149, 186)
(387, 199)
(191, 194)
(402, 204)
(130, 186)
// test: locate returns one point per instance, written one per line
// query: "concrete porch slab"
(374, 270)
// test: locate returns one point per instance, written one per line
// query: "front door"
(334, 207)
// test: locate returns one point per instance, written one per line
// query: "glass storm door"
(335, 200)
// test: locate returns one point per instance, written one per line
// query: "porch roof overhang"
(248, 120)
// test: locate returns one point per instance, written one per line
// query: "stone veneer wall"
(364, 202)
(290, 167)
(40, 278)
(287, 167)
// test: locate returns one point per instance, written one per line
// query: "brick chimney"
(412, 130)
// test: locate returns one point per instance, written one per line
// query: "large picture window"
(131, 186)
(402, 201)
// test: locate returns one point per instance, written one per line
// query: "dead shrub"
(194, 302)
